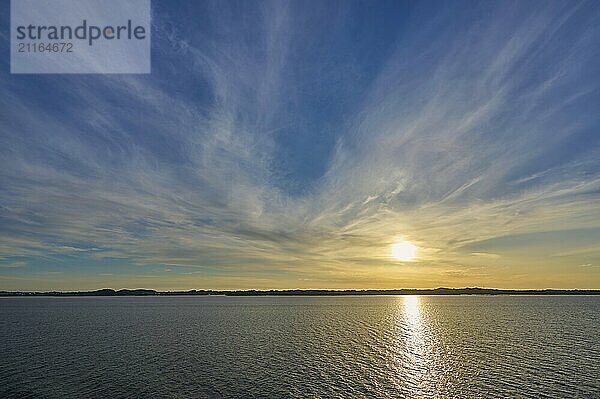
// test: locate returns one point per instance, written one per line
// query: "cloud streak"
(230, 166)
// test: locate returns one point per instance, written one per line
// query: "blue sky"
(291, 144)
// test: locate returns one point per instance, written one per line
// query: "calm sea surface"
(296, 347)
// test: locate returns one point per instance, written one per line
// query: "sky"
(291, 144)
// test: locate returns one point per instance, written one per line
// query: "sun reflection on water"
(412, 312)
(415, 354)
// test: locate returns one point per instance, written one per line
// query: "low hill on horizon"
(299, 292)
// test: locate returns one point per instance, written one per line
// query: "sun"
(404, 251)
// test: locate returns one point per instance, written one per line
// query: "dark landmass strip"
(436, 291)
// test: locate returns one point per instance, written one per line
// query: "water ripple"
(304, 347)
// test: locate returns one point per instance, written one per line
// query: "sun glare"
(404, 251)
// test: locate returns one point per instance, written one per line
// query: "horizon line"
(306, 292)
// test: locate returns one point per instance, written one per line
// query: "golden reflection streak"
(415, 352)
(412, 313)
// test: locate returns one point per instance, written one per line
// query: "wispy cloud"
(472, 125)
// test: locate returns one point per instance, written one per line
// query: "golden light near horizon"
(404, 251)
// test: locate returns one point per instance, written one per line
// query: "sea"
(300, 347)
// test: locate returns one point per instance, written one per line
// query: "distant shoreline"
(436, 291)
